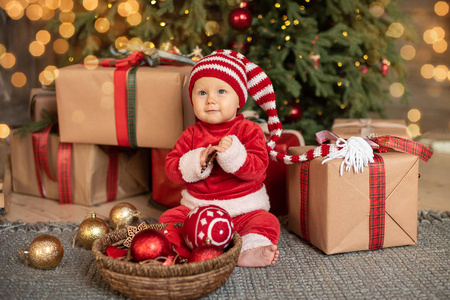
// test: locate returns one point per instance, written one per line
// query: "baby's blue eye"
(202, 93)
(222, 92)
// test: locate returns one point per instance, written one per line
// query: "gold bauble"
(91, 229)
(123, 214)
(45, 252)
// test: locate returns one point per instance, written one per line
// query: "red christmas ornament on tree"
(240, 18)
(149, 244)
(241, 47)
(205, 252)
(210, 224)
(295, 113)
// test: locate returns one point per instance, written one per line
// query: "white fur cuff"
(232, 159)
(254, 240)
(190, 168)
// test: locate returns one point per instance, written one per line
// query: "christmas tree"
(326, 58)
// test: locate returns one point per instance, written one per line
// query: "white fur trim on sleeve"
(232, 159)
(254, 240)
(190, 168)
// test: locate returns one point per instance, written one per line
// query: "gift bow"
(152, 58)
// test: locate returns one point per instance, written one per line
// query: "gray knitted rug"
(302, 272)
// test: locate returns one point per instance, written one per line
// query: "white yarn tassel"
(356, 153)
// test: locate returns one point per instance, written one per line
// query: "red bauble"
(149, 244)
(240, 18)
(205, 252)
(385, 67)
(238, 47)
(210, 224)
(295, 114)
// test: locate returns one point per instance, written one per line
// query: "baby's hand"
(205, 154)
(224, 144)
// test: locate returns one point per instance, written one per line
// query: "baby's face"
(214, 100)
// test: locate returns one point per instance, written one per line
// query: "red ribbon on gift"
(377, 182)
(40, 150)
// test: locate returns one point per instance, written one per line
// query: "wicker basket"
(183, 281)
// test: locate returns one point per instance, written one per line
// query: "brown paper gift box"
(345, 128)
(42, 99)
(339, 207)
(89, 171)
(86, 105)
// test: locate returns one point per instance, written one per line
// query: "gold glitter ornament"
(45, 252)
(123, 214)
(91, 229)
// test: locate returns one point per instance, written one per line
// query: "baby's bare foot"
(259, 257)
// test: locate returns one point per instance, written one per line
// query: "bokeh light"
(414, 129)
(66, 5)
(397, 89)
(60, 46)
(441, 8)
(4, 131)
(14, 9)
(68, 17)
(7, 60)
(376, 9)
(18, 79)
(440, 46)
(395, 30)
(90, 4)
(102, 25)
(91, 62)
(434, 90)
(52, 4)
(414, 115)
(427, 71)
(43, 36)
(121, 43)
(440, 73)
(212, 27)
(34, 12)
(66, 30)
(408, 52)
(36, 48)
(134, 19)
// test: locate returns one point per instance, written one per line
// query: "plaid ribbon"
(64, 173)
(112, 174)
(403, 145)
(304, 182)
(40, 142)
(377, 181)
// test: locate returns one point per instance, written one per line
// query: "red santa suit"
(234, 181)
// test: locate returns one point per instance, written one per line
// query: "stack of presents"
(115, 126)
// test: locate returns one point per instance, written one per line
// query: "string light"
(427, 71)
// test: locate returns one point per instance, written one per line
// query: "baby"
(223, 157)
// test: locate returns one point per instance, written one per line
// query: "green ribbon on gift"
(131, 106)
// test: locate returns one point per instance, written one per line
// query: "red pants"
(258, 222)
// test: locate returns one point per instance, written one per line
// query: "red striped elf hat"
(246, 78)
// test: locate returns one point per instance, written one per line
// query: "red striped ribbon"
(112, 174)
(40, 143)
(377, 181)
(304, 182)
(65, 173)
